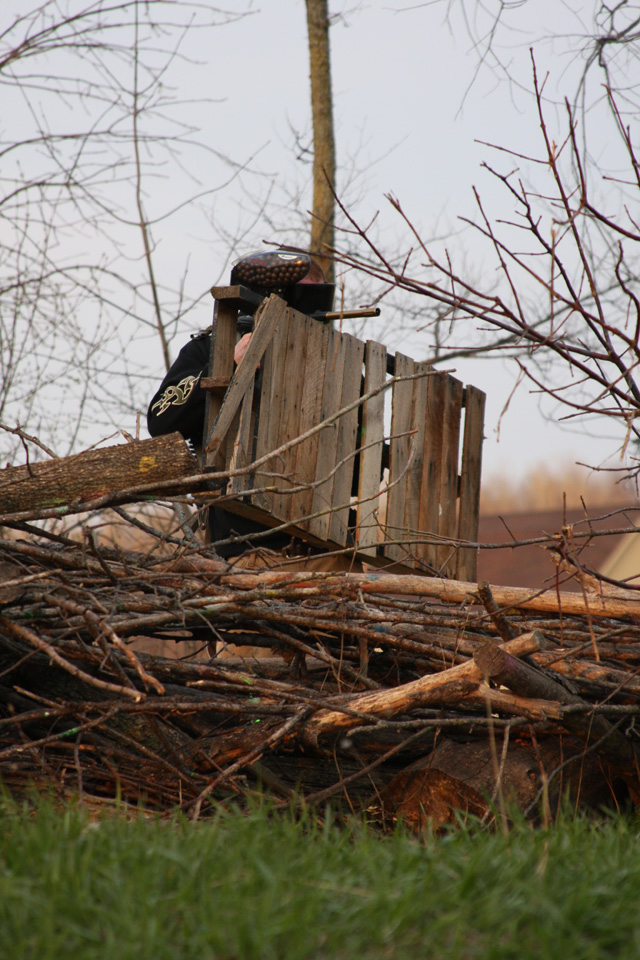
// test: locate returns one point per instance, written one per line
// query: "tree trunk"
(324, 163)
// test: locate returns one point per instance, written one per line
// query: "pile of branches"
(403, 696)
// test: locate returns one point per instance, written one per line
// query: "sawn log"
(94, 474)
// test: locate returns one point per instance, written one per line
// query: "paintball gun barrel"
(246, 321)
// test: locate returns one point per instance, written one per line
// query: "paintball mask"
(280, 271)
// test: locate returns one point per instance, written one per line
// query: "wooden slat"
(241, 297)
(328, 439)
(432, 466)
(220, 366)
(241, 454)
(318, 336)
(470, 482)
(448, 526)
(270, 407)
(400, 446)
(347, 438)
(367, 529)
(292, 372)
(270, 314)
(414, 478)
(217, 385)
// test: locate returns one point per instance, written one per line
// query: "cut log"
(94, 474)
(504, 702)
(471, 778)
(497, 664)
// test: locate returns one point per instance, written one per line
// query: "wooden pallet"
(297, 374)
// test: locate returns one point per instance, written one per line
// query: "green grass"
(266, 886)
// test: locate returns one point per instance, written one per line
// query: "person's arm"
(179, 403)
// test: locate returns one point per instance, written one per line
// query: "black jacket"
(179, 402)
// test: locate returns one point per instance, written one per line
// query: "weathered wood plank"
(221, 362)
(241, 297)
(448, 526)
(328, 439)
(318, 336)
(94, 474)
(241, 455)
(367, 529)
(414, 477)
(347, 438)
(270, 314)
(270, 409)
(399, 450)
(432, 466)
(293, 369)
(469, 508)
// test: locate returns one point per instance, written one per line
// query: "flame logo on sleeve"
(175, 395)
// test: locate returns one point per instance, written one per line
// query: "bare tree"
(91, 122)
(601, 39)
(568, 307)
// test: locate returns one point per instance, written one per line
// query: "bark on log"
(504, 628)
(503, 701)
(593, 674)
(449, 591)
(497, 664)
(477, 779)
(94, 474)
(10, 587)
(448, 686)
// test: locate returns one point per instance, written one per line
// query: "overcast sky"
(411, 102)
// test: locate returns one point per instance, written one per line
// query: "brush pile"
(404, 696)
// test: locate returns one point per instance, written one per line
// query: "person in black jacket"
(179, 403)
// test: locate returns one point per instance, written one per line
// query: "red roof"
(531, 565)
